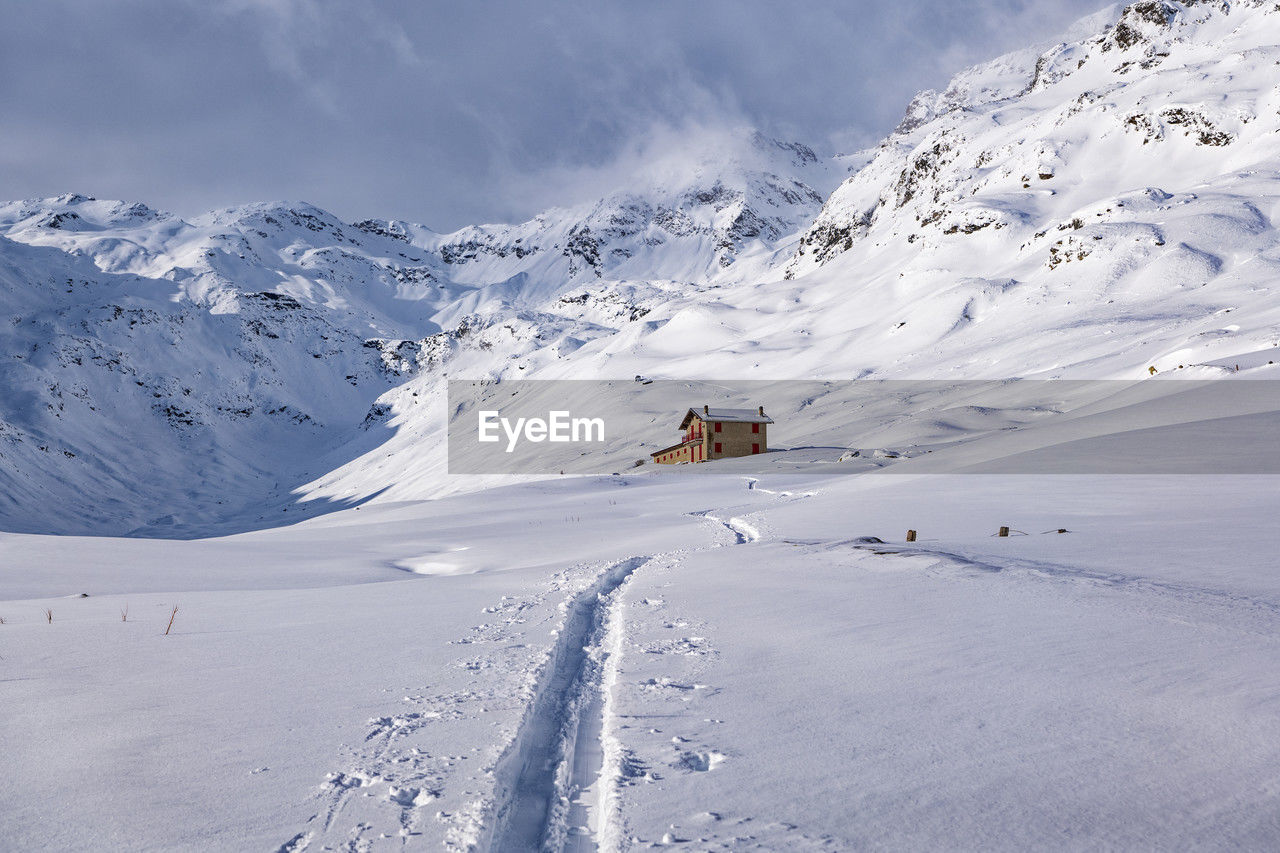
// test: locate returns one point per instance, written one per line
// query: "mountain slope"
(172, 378)
(1096, 208)
(1124, 183)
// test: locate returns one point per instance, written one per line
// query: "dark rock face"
(582, 250)
(924, 167)
(1138, 20)
(827, 240)
(381, 229)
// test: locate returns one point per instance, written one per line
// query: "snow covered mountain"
(166, 375)
(733, 197)
(1109, 203)
(1095, 208)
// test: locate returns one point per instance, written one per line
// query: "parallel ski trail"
(553, 791)
(556, 784)
(557, 747)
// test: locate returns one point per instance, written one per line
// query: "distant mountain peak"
(1142, 74)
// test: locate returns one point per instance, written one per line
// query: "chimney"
(706, 410)
(762, 411)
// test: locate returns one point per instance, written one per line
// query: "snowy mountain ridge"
(1095, 208)
(223, 343)
(688, 217)
(1163, 72)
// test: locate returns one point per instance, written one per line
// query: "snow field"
(803, 688)
(962, 693)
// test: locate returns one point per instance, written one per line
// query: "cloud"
(657, 157)
(299, 37)
(450, 114)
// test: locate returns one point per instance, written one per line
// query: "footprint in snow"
(665, 684)
(689, 646)
(347, 781)
(411, 797)
(700, 762)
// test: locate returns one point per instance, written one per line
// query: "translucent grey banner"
(748, 428)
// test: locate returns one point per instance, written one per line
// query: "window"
(718, 425)
(717, 447)
(755, 448)
(755, 427)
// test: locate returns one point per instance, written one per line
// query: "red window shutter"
(717, 447)
(755, 427)
(755, 448)
(718, 425)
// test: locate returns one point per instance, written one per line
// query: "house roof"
(672, 447)
(742, 416)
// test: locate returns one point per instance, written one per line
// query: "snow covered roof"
(744, 416)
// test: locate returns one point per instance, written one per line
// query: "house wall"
(736, 439)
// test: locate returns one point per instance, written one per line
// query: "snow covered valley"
(248, 602)
(632, 662)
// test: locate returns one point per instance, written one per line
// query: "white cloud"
(455, 113)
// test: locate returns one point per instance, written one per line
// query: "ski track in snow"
(544, 775)
(744, 531)
(556, 751)
(556, 783)
(1247, 613)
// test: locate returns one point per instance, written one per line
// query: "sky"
(452, 113)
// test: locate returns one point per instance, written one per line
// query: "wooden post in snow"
(1004, 531)
(911, 536)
